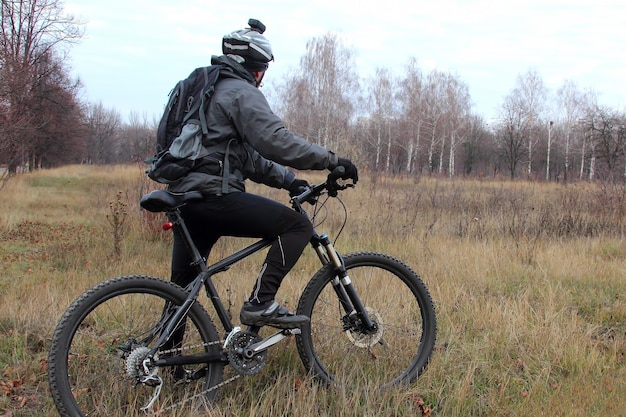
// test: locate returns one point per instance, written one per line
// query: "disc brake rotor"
(367, 340)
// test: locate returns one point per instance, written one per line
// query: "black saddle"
(161, 200)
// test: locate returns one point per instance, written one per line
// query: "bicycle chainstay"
(202, 393)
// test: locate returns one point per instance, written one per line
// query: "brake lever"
(312, 200)
(335, 186)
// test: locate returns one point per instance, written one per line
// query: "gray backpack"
(183, 126)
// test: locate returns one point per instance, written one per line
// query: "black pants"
(244, 215)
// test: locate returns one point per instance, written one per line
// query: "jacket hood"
(235, 69)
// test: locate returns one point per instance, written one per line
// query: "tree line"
(416, 123)
(43, 122)
(422, 123)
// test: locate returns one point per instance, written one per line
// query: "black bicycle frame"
(322, 245)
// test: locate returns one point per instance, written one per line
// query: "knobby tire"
(87, 361)
(396, 298)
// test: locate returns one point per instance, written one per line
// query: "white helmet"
(249, 47)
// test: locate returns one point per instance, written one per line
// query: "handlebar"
(331, 186)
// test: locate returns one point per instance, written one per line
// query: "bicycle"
(371, 319)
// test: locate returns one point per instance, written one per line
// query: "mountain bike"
(138, 342)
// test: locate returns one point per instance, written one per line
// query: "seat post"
(197, 260)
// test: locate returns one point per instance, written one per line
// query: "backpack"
(182, 127)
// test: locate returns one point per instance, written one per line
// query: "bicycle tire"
(396, 299)
(87, 370)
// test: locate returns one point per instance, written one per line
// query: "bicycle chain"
(180, 349)
(202, 393)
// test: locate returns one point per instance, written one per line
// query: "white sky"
(134, 51)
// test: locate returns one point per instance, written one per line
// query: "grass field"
(529, 281)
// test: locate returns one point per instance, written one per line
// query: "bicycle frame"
(342, 285)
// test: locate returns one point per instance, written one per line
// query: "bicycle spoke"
(343, 352)
(105, 337)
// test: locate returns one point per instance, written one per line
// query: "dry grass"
(528, 280)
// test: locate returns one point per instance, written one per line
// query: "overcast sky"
(135, 50)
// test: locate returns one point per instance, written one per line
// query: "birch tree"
(381, 93)
(411, 100)
(434, 112)
(458, 106)
(531, 98)
(571, 103)
(318, 98)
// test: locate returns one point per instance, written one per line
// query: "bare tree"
(381, 97)
(411, 101)
(605, 131)
(34, 35)
(571, 103)
(512, 133)
(137, 138)
(458, 105)
(476, 146)
(530, 96)
(318, 100)
(103, 133)
(434, 112)
(59, 136)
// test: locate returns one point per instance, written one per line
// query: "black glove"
(297, 187)
(351, 171)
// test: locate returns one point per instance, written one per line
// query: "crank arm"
(272, 340)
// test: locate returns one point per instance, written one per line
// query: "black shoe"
(270, 314)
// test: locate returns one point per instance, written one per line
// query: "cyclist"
(260, 147)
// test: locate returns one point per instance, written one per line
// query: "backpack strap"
(210, 78)
(226, 173)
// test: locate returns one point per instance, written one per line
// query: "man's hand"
(351, 170)
(297, 187)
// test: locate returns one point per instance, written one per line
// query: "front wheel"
(96, 359)
(395, 298)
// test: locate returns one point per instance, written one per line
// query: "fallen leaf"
(418, 401)
(5, 388)
(297, 383)
(43, 365)
(22, 401)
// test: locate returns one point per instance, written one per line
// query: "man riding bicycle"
(260, 147)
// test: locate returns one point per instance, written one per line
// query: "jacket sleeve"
(264, 171)
(266, 133)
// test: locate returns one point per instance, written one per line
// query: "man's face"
(258, 76)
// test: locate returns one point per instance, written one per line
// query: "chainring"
(241, 358)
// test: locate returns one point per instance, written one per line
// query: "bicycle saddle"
(161, 200)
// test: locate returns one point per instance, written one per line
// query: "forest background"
(418, 123)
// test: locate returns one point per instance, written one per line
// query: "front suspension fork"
(342, 285)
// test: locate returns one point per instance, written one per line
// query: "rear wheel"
(338, 351)
(96, 358)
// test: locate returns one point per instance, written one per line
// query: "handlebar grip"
(336, 173)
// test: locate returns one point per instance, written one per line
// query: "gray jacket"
(256, 141)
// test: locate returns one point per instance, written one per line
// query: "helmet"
(249, 47)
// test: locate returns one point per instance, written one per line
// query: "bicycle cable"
(323, 205)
